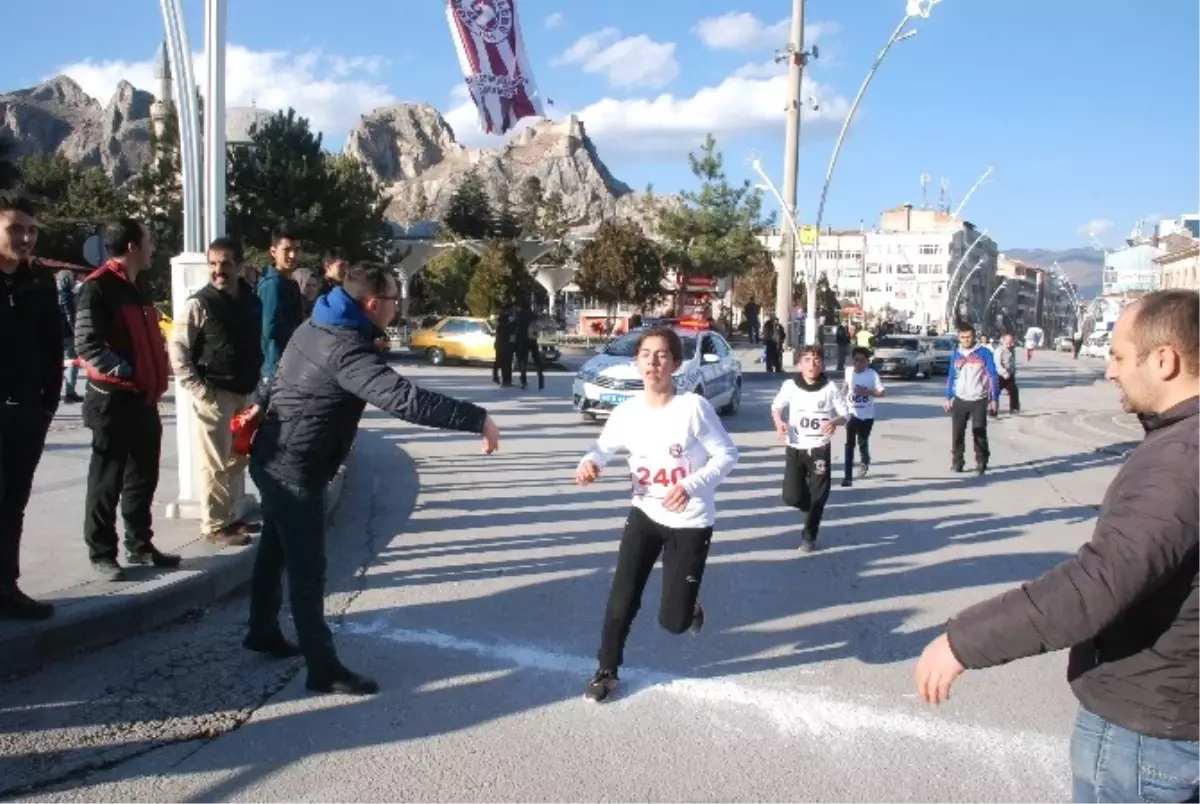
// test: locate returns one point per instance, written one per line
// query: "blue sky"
(1087, 109)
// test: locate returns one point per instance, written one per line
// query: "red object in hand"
(244, 426)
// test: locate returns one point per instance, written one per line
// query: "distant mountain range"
(1083, 266)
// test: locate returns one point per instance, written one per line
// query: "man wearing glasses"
(310, 411)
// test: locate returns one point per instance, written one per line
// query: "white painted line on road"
(792, 711)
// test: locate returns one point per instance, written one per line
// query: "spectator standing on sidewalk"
(752, 312)
(30, 383)
(217, 355)
(282, 302)
(1127, 604)
(67, 286)
(1006, 371)
(328, 374)
(118, 338)
(334, 273)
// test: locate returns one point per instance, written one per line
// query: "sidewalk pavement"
(55, 566)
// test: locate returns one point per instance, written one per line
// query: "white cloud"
(554, 20)
(632, 61)
(761, 69)
(667, 125)
(332, 91)
(1096, 226)
(741, 30)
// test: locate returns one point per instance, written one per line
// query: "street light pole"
(954, 273)
(958, 210)
(785, 267)
(966, 279)
(214, 120)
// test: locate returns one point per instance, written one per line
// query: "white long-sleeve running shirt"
(682, 442)
(807, 411)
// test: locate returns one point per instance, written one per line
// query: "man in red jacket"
(1127, 604)
(123, 350)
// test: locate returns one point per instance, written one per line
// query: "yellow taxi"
(455, 338)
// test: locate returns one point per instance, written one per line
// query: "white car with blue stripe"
(709, 368)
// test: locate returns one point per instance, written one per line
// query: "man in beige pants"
(216, 353)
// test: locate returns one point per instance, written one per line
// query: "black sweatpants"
(774, 357)
(526, 350)
(684, 552)
(976, 412)
(1014, 393)
(126, 446)
(806, 485)
(502, 365)
(858, 431)
(22, 438)
(293, 538)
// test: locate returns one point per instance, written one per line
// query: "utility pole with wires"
(785, 266)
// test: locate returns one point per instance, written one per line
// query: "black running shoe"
(956, 467)
(808, 545)
(697, 620)
(847, 483)
(980, 468)
(602, 685)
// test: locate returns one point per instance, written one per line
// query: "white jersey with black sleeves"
(861, 405)
(681, 442)
(807, 411)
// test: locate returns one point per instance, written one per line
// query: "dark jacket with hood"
(1126, 604)
(329, 372)
(31, 331)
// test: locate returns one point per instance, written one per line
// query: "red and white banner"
(488, 40)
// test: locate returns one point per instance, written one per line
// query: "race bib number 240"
(653, 481)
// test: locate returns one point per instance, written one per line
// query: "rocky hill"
(412, 151)
(57, 116)
(1083, 266)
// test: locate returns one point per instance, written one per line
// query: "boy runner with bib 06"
(815, 408)
(862, 386)
(678, 454)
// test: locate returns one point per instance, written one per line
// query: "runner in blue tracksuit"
(972, 389)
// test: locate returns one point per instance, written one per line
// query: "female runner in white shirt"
(678, 454)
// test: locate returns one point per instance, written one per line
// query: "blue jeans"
(1113, 764)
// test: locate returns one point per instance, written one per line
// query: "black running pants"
(684, 552)
(806, 484)
(975, 412)
(858, 431)
(525, 351)
(22, 439)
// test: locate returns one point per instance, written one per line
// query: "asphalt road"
(472, 588)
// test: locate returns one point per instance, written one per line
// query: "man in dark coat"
(30, 383)
(1126, 604)
(329, 372)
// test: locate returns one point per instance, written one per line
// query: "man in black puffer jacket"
(329, 372)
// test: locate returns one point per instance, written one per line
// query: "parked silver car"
(942, 347)
(904, 355)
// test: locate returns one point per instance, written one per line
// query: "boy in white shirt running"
(679, 453)
(862, 387)
(815, 407)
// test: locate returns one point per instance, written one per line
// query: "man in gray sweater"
(1006, 369)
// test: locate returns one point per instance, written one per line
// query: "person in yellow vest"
(864, 337)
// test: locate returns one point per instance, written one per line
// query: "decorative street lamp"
(965, 281)
(913, 9)
(953, 274)
(203, 200)
(978, 183)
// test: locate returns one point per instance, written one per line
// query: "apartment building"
(1178, 264)
(838, 256)
(1014, 305)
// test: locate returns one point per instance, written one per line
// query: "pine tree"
(529, 207)
(506, 225)
(500, 279)
(469, 213)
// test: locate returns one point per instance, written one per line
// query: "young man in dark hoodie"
(282, 302)
(815, 407)
(30, 382)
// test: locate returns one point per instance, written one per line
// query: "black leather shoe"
(151, 556)
(16, 605)
(341, 681)
(276, 646)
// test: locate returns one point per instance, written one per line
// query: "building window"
(904, 269)
(873, 268)
(928, 248)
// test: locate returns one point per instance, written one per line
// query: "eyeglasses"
(388, 298)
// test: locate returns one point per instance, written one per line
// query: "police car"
(709, 368)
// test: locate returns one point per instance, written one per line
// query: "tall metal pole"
(214, 121)
(958, 210)
(785, 266)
